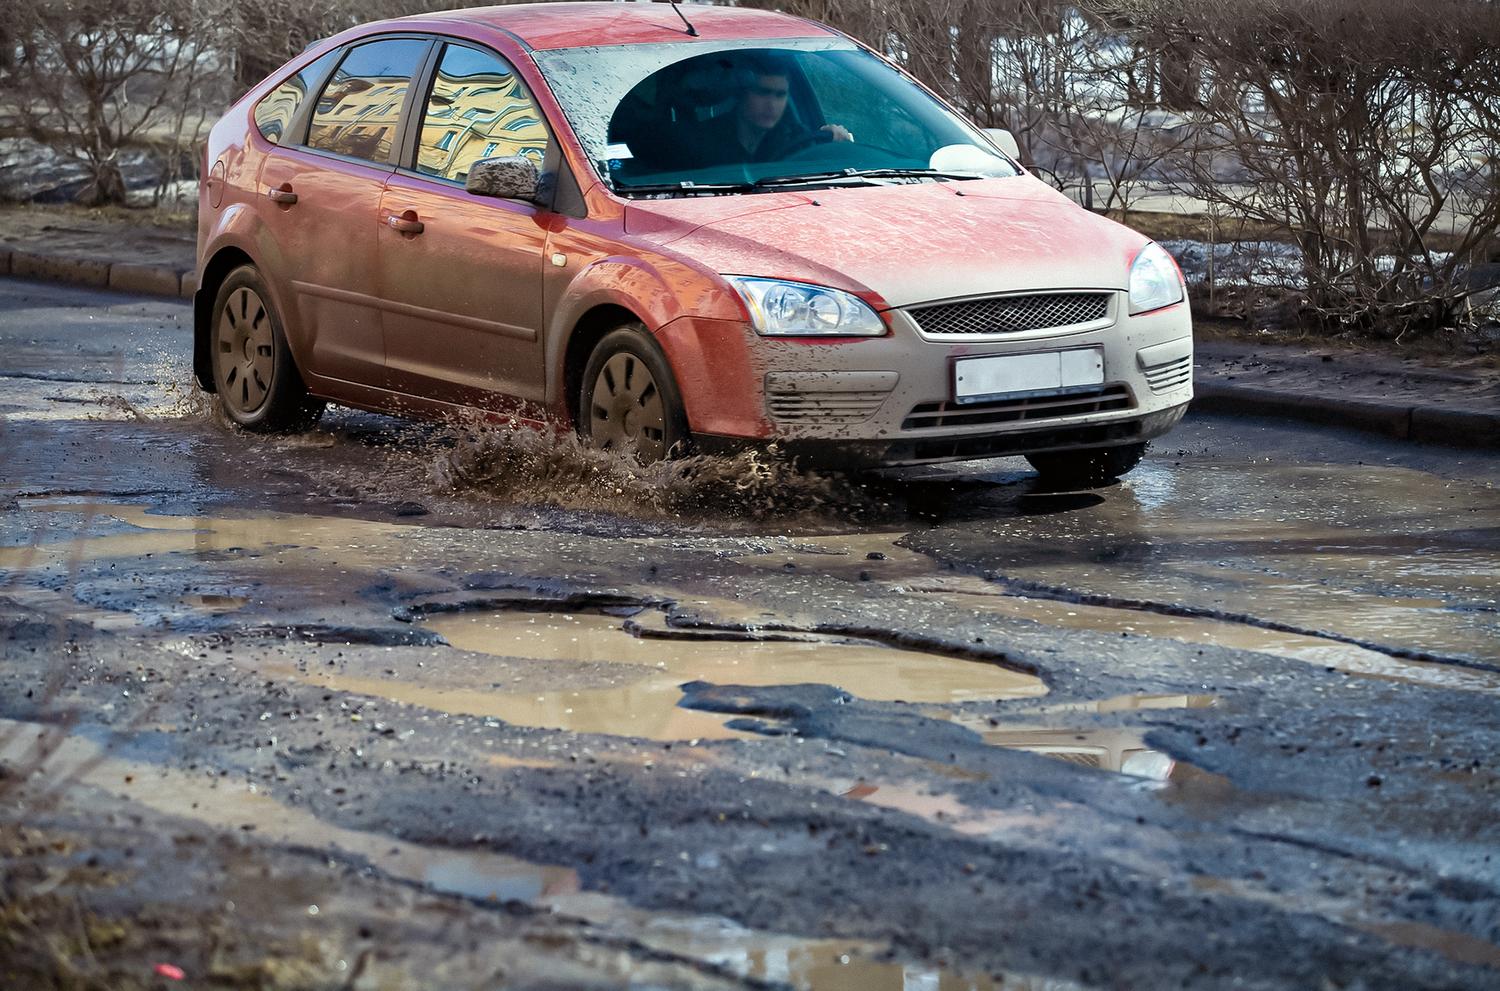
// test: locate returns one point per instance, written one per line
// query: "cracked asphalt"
(401, 705)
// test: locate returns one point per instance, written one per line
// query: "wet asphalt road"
(1230, 723)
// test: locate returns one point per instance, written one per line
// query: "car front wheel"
(629, 399)
(1088, 468)
(256, 379)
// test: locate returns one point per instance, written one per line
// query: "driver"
(759, 129)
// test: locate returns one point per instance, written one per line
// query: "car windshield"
(706, 118)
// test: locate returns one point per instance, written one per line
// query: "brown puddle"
(802, 963)
(216, 603)
(647, 705)
(947, 810)
(357, 543)
(1456, 946)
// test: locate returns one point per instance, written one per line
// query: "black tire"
(629, 398)
(258, 384)
(1087, 468)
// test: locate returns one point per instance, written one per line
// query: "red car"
(672, 228)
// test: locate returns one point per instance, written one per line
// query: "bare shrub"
(91, 78)
(1367, 128)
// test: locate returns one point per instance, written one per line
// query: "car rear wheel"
(1083, 469)
(256, 379)
(629, 399)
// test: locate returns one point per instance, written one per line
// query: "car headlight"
(1154, 281)
(796, 309)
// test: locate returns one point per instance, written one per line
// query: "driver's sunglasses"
(779, 94)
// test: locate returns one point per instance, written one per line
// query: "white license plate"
(1015, 376)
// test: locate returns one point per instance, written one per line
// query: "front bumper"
(889, 400)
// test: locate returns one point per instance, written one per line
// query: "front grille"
(824, 407)
(948, 414)
(1172, 375)
(1011, 314)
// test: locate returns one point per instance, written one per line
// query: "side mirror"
(1004, 140)
(511, 178)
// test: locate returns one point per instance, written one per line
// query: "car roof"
(542, 26)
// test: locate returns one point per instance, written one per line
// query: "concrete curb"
(1426, 424)
(78, 271)
(148, 280)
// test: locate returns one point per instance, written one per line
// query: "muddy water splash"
(553, 467)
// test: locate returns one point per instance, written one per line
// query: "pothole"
(645, 705)
(877, 558)
(1197, 630)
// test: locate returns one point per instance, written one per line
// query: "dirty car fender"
(657, 289)
(240, 229)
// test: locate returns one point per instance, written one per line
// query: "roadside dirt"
(140, 236)
(1449, 373)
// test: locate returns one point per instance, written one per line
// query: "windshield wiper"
(686, 188)
(885, 173)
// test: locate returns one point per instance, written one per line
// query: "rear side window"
(478, 108)
(358, 111)
(275, 112)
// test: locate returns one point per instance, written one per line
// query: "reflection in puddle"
(1121, 749)
(217, 603)
(1134, 703)
(805, 964)
(647, 705)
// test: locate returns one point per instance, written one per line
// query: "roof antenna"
(692, 31)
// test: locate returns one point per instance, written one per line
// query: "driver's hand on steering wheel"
(839, 132)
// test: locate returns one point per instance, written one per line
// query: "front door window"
(360, 107)
(478, 108)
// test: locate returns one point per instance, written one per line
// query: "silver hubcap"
(626, 409)
(245, 351)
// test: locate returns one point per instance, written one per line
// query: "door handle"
(406, 223)
(282, 194)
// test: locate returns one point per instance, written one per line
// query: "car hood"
(905, 243)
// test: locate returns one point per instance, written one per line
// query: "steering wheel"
(807, 140)
(798, 149)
